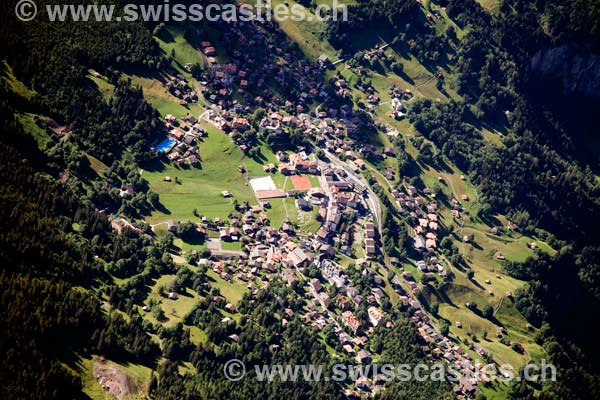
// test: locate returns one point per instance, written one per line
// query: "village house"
(316, 284)
(351, 321)
(298, 257)
(303, 204)
(363, 357)
(375, 316)
(289, 276)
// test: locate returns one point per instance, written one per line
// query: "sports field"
(301, 182)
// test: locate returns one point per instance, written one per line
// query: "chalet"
(323, 233)
(370, 246)
(240, 124)
(281, 156)
(323, 60)
(327, 251)
(378, 293)
(226, 276)
(287, 227)
(304, 204)
(285, 169)
(430, 244)
(193, 160)
(317, 192)
(363, 357)
(297, 257)
(289, 276)
(375, 316)
(224, 234)
(324, 299)
(369, 230)
(229, 307)
(343, 303)
(351, 321)
(316, 284)
(429, 276)
(172, 225)
(362, 383)
(289, 120)
(349, 199)
(188, 140)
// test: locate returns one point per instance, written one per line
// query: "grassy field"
(98, 166)
(473, 324)
(184, 246)
(159, 97)
(174, 41)
(201, 188)
(40, 135)
(14, 84)
(305, 33)
(232, 291)
(106, 88)
(492, 6)
(174, 310)
(231, 246)
(155, 91)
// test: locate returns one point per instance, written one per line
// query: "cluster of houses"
(440, 348)
(342, 200)
(183, 134)
(296, 163)
(179, 87)
(247, 70)
(340, 312)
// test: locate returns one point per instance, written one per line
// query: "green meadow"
(201, 188)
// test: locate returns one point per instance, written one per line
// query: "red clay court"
(301, 182)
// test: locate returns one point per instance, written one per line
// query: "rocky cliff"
(577, 70)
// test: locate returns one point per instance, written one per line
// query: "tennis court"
(301, 182)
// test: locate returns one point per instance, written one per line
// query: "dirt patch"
(114, 381)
